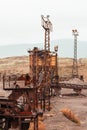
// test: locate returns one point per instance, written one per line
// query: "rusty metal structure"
(75, 65)
(30, 93)
(43, 65)
(75, 82)
(47, 25)
(19, 108)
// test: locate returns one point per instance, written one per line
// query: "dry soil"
(55, 120)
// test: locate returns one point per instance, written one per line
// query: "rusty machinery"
(18, 109)
(31, 91)
(75, 82)
(43, 65)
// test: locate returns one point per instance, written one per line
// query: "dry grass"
(70, 115)
(20, 64)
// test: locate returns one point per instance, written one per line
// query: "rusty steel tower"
(75, 64)
(47, 25)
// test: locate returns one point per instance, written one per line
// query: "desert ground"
(55, 120)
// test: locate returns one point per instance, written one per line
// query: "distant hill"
(66, 48)
(15, 50)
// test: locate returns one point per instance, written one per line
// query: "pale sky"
(20, 20)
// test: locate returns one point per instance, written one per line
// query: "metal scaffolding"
(47, 25)
(75, 64)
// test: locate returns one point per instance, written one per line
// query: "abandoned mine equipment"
(30, 93)
(76, 82)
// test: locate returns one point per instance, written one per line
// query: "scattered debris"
(70, 115)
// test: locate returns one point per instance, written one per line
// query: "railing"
(14, 82)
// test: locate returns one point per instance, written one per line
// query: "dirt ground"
(55, 120)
